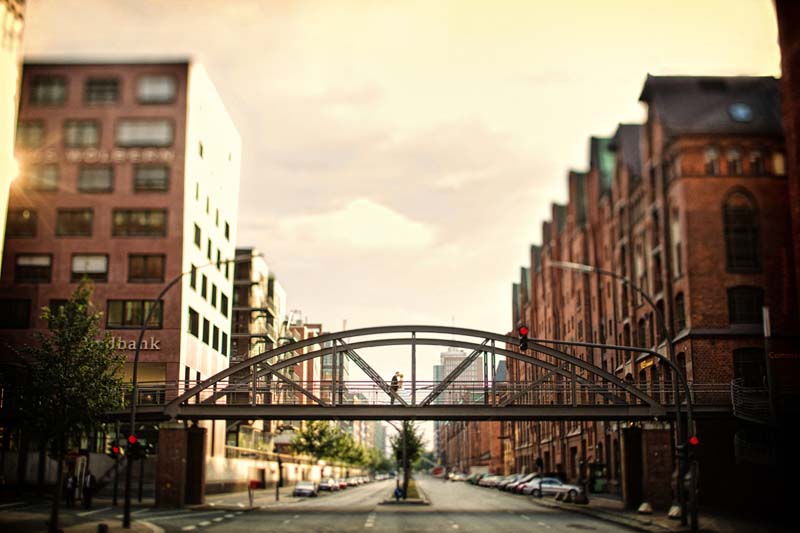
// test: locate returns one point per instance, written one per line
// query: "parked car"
(548, 486)
(459, 477)
(512, 487)
(343, 484)
(305, 488)
(474, 479)
(489, 481)
(329, 484)
(501, 485)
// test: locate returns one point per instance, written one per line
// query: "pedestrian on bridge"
(395, 384)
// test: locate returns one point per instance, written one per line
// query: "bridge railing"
(355, 392)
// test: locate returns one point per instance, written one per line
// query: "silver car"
(550, 486)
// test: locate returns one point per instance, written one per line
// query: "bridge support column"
(180, 476)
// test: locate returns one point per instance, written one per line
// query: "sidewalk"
(611, 509)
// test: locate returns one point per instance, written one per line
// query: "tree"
(75, 377)
(409, 453)
(319, 439)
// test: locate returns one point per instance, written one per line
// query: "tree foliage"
(414, 443)
(75, 376)
(323, 440)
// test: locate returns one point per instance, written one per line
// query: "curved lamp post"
(156, 302)
(679, 373)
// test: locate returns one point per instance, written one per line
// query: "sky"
(400, 156)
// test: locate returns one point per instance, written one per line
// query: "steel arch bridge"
(563, 387)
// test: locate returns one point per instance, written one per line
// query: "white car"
(550, 486)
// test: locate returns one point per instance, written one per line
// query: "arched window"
(734, 162)
(741, 233)
(744, 304)
(680, 312)
(712, 161)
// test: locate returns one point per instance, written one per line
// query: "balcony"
(750, 403)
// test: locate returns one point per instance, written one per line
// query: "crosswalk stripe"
(12, 504)
(87, 513)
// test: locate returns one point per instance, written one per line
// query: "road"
(457, 507)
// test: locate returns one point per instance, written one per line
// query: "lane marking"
(204, 523)
(217, 519)
(370, 520)
(11, 504)
(184, 515)
(229, 515)
(525, 517)
(188, 528)
(296, 516)
(143, 511)
(87, 513)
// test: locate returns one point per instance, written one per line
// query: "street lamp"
(126, 520)
(679, 373)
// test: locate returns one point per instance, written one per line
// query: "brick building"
(691, 206)
(129, 176)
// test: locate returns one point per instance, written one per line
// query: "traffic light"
(138, 448)
(523, 338)
(132, 439)
(115, 451)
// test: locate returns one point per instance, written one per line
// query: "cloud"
(361, 224)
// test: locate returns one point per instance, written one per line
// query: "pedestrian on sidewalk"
(69, 489)
(89, 485)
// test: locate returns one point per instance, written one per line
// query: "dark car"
(305, 488)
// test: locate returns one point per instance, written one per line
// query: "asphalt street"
(454, 507)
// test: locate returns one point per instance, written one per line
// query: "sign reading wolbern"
(125, 344)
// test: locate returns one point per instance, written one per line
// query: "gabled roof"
(627, 140)
(709, 104)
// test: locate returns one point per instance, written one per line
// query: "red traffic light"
(694, 441)
(523, 330)
(132, 439)
(115, 449)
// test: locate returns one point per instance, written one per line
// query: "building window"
(213, 296)
(33, 268)
(734, 162)
(92, 266)
(74, 223)
(741, 233)
(155, 89)
(641, 333)
(203, 286)
(193, 277)
(194, 322)
(95, 178)
(215, 339)
(47, 90)
(131, 314)
(748, 365)
(197, 236)
(206, 330)
(101, 90)
(30, 134)
(208, 250)
(677, 248)
(15, 314)
(41, 177)
(778, 164)
(144, 133)
(81, 134)
(712, 161)
(757, 163)
(227, 232)
(680, 312)
(146, 268)
(744, 305)
(21, 223)
(139, 223)
(224, 347)
(219, 259)
(223, 304)
(200, 149)
(150, 178)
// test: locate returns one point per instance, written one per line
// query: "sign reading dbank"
(124, 344)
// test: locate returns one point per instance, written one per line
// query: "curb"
(647, 526)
